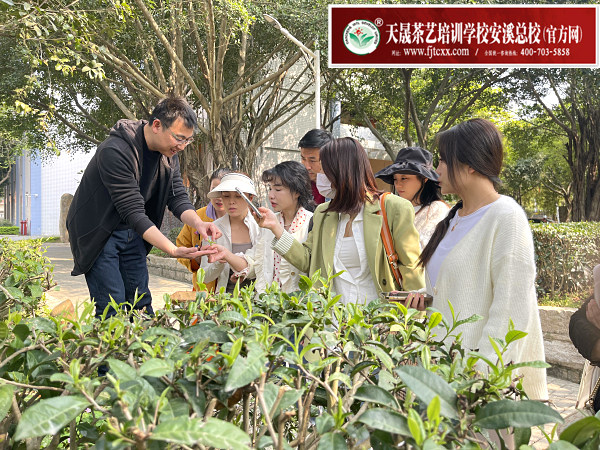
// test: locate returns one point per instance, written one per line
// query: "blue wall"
(19, 187)
(36, 198)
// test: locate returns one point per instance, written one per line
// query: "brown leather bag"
(388, 242)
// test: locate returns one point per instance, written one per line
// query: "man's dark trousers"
(119, 270)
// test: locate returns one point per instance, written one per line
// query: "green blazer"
(317, 251)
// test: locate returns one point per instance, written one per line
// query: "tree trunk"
(584, 162)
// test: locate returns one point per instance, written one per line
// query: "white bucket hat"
(231, 181)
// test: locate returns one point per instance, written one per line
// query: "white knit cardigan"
(491, 272)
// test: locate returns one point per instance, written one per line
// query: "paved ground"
(562, 393)
(75, 289)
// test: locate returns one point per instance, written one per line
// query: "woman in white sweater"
(481, 257)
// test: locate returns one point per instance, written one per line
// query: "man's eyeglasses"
(180, 141)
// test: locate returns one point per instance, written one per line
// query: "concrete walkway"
(563, 394)
(75, 288)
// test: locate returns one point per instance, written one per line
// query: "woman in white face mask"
(324, 186)
(346, 233)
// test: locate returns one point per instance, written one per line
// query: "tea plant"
(236, 371)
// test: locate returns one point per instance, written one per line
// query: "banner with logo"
(463, 35)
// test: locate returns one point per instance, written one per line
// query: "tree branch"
(271, 77)
(117, 100)
(172, 53)
(560, 123)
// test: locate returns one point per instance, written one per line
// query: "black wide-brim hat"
(414, 160)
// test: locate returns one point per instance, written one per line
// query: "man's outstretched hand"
(208, 230)
(192, 252)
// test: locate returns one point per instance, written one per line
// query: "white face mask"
(324, 186)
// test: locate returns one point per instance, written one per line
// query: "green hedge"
(565, 256)
(25, 273)
(173, 233)
(231, 372)
(9, 230)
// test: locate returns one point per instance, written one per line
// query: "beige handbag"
(588, 388)
(590, 378)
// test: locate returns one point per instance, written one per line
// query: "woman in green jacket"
(346, 233)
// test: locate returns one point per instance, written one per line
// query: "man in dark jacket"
(118, 208)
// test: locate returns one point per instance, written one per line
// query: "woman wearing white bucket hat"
(290, 196)
(240, 231)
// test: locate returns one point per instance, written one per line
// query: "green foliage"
(9, 230)
(297, 370)
(411, 105)
(173, 233)
(565, 257)
(19, 133)
(564, 300)
(158, 252)
(25, 273)
(522, 176)
(536, 172)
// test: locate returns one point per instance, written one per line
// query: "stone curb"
(567, 363)
(168, 268)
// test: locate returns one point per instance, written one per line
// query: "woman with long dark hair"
(481, 258)
(414, 179)
(290, 195)
(346, 235)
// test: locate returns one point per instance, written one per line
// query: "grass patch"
(574, 300)
(52, 239)
(158, 252)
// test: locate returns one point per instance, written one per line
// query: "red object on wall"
(23, 227)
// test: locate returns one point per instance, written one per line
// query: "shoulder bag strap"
(388, 243)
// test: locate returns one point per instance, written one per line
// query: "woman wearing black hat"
(414, 179)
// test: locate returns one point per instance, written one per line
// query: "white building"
(34, 190)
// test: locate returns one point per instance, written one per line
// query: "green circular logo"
(361, 37)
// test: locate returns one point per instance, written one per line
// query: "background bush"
(173, 233)
(9, 230)
(565, 257)
(25, 273)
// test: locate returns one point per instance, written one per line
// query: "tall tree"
(116, 58)
(411, 105)
(535, 172)
(570, 99)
